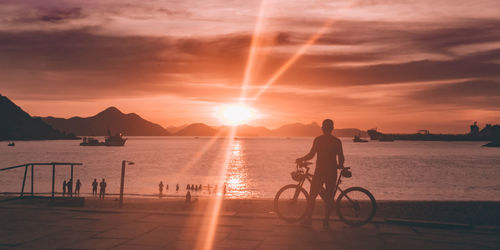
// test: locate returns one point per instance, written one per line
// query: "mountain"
(112, 119)
(294, 129)
(175, 129)
(18, 125)
(246, 130)
(197, 129)
(298, 129)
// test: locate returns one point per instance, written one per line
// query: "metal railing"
(53, 164)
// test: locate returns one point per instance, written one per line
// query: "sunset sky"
(393, 64)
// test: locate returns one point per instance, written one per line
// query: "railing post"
(53, 178)
(122, 183)
(32, 177)
(24, 179)
(71, 195)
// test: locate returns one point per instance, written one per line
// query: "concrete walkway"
(28, 227)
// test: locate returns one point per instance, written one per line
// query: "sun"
(235, 114)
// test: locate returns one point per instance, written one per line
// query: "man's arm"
(341, 155)
(310, 155)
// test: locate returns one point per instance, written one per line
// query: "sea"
(257, 167)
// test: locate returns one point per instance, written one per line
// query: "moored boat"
(357, 138)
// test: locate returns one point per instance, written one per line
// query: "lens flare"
(235, 114)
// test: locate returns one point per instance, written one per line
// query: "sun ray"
(199, 154)
(293, 59)
(256, 40)
(212, 216)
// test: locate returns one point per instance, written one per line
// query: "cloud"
(474, 93)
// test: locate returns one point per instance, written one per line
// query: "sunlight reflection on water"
(237, 173)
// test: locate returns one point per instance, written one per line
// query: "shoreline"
(463, 212)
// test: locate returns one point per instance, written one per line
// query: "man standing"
(64, 187)
(160, 187)
(70, 187)
(94, 188)
(328, 148)
(77, 188)
(102, 191)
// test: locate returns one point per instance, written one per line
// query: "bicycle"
(355, 206)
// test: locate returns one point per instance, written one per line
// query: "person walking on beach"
(102, 191)
(167, 187)
(77, 188)
(64, 188)
(327, 148)
(94, 188)
(160, 187)
(188, 197)
(177, 188)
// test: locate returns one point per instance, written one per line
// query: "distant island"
(18, 125)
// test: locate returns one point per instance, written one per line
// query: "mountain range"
(133, 125)
(16, 124)
(20, 125)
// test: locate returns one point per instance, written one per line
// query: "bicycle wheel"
(290, 203)
(356, 206)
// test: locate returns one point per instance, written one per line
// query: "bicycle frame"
(322, 191)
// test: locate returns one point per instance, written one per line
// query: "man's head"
(327, 126)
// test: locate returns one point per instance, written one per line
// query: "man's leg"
(313, 193)
(330, 182)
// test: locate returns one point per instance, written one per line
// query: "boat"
(90, 141)
(357, 138)
(493, 144)
(110, 140)
(488, 133)
(114, 140)
(11, 144)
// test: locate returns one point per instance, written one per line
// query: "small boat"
(493, 144)
(110, 140)
(11, 144)
(357, 138)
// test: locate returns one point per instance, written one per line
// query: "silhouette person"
(327, 148)
(225, 189)
(102, 190)
(177, 188)
(167, 187)
(188, 197)
(64, 188)
(200, 187)
(94, 188)
(70, 187)
(160, 186)
(77, 187)
(188, 187)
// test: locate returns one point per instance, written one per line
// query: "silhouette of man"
(327, 148)
(77, 188)
(160, 187)
(94, 188)
(177, 188)
(188, 197)
(102, 191)
(64, 187)
(70, 187)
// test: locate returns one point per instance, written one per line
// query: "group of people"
(102, 188)
(68, 187)
(192, 187)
